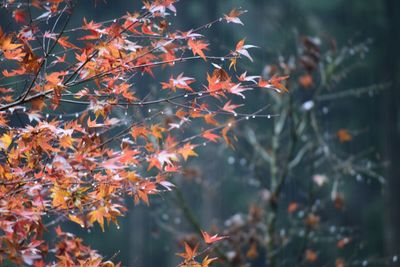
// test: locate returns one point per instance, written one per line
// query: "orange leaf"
(207, 261)
(311, 256)
(98, 216)
(233, 16)
(292, 207)
(344, 135)
(197, 47)
(210, 136)
(189, 253)
(187, 150)
(211, 239)
(209, 118)
(306, 80)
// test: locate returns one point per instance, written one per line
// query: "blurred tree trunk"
(136, 237)
(391, 128)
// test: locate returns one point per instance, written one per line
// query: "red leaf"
(197, 47)
(212, 239)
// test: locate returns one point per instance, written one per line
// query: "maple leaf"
(58, 230)
(237, 89)
(310, 255)
(210, 239)
(189, 253)
(98, 216)
(241, 49)
(207, 261)
(165, 157)
(233, 16)
(6, 43)
(344, 135)
(77, 220)
(244, 78)
(230, 107)
(292, 207)
(197, 47)
(274, 83)
(215, 85)
(5, 141)
(64, 43)
(180, 82)
(20, 15)
(209, 118)
(306, 80)
(187, 150)
(210, 136)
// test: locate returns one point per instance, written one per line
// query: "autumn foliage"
(80, 132)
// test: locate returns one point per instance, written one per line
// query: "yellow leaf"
(5, 141)
(76, 219)
(187, 150)
(98, 215)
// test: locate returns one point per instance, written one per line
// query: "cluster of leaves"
(79, 131)
(307, 227)
(191, 253)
